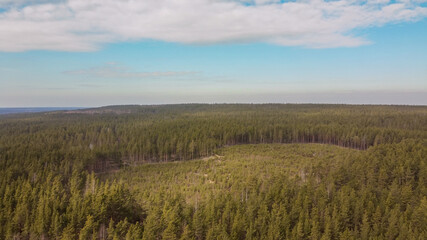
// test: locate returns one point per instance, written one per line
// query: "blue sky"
(356, 60)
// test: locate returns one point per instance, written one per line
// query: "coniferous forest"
(219, 171)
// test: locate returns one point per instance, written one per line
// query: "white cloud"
(22, 2)
(85, 25)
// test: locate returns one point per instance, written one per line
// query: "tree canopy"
(197, 171)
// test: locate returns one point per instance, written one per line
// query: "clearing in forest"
(234, 169)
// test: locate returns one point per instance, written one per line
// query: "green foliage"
(113, 173)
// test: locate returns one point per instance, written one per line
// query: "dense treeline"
(48, 189)
(176, 132)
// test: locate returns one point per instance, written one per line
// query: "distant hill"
(35, 110)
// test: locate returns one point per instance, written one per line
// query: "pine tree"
(315, 232)
(327, 233)
(153, 225)
(68, 233)
(88, 232)
(198, 224)
(366, 227)
(110, 230)
(134, 232)
(186, 233)
(170, 232)
(377, 222)
(393, 224)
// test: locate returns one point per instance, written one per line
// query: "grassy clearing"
(230, 170)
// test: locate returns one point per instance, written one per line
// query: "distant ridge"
(35, 110)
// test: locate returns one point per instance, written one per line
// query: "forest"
(215, 171)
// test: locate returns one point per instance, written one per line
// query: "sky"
(88, 53)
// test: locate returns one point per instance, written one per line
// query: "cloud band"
(85, 25)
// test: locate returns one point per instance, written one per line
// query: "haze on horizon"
(105, 52)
